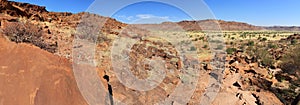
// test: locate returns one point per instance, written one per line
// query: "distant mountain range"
(283, 28)
(211, 24)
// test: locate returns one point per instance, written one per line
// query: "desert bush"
(22, 32)
(267, 60)
(92, 28)
(262, 55)
(264, 39)
(259, 37)
(27, 33)
(87, 32)
(291, 62)
(193, 48)
(272, 45)
(250, 43)
(201, 38)
(265, 57)
(293, 42)
(230, 50)
(291, 65)
(243, 36)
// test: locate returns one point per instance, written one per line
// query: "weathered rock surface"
(32, 76)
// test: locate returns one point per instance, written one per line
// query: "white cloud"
(142, 18)
(148, 16)
(129, 17)
(125, 17)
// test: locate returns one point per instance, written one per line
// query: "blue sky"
(257, 12)
(147, 13)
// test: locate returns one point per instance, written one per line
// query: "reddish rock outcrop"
(32, 76)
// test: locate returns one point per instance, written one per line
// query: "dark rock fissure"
(257, 99)
(106, 77)
(236, 84)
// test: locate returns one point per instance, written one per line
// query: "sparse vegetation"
(270, 45)
(261, 55)
(27, 33)
(291, 62)
(264, 39)
(250, 43)
(230, 50)
(23, 32)
(293, 42)
(205, 46)
(193, 48)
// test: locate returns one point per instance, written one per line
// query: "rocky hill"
(223, 25)
(202, 25)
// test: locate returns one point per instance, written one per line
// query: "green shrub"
(264, 39)
(230, 50)
(267, 61)
(250, 43)
(201, 38)
(291, 62)
(261, 54)
(265, 57)
(193, 48)
(293, 42)
(272, 45)
(259, 37)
